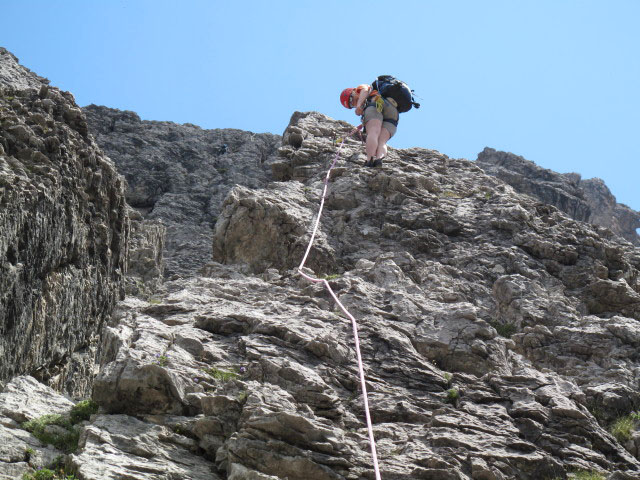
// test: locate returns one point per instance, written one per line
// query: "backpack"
(391, 87)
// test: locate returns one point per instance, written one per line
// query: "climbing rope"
(365, 399)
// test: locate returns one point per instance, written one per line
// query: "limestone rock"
(63, 246)
(118, 446)
(145, 270)
(499, 335)
(266, 229)
(585, 200)
(180, 175)
(25, 399)
(12, 73)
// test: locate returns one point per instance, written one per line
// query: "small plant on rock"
(55, 471)
(161, 360)
(47, 474)
(623, 427)
(180, 430)
(222, 375)
(28, 453)
(586, 475)
(54, 430)
(597, 412)
(42, 474)
(334, 276)
(451, 194)
(453, 395)
(83, 410)
(504, 329)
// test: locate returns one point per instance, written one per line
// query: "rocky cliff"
(500, 336)
(586, 200)
(63, 233)
(180, 174)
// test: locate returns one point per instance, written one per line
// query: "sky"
(555, 81)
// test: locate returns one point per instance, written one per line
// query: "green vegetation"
(83, 411)
(623, 427)
(447, 377)
(597, 412)
(222, 375)
(47, 474)
(64, 438)
(58, 430)
(28, 453)
(180, 430)
(451, 194)
(586, 475)
(161, 360)
(242, 396)
(453, 395)
(331, 277)
(504, 329)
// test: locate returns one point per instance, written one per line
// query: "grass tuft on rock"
(623, 427)
(453, 395)
(83, 410)
(47, 474)
(504, 329)
(54, 430)
(586, 475)
(222, 375)
(59, 430)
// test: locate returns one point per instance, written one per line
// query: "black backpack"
(391, 87)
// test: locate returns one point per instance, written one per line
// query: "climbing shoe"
(373, 162)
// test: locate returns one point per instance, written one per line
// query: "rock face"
(63, 233)
(584, 200)
(500, 336)
(22, 400)
(145, 269)
(180, 174)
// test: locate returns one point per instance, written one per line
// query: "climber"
(379, 104)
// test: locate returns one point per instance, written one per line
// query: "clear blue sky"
(557, 82)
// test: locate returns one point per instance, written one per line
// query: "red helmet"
(345, 96)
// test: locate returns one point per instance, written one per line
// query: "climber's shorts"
(389, 116)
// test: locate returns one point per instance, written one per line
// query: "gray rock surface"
(16, 75)
(499, 335)
(180, 174)
(25, 399)
(64, 229)
(585, 200)
(116, 447)
(145, 269)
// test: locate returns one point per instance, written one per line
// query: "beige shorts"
(389, 112)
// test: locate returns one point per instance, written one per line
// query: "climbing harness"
(365, 399)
